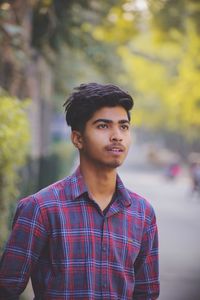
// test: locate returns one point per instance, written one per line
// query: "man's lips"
(115, 148)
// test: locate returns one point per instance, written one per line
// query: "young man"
(86, 236)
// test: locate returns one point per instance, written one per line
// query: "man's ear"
(77, 140)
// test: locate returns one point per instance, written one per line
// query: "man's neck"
(101, 183)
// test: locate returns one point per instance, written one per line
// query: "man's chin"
(114, 164)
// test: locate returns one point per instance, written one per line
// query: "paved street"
(178, 219)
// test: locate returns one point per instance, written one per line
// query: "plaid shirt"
(72, 250)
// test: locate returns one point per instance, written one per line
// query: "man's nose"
(116, 136)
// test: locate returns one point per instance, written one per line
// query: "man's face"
(106, 138)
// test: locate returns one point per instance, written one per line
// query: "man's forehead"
(114, 114)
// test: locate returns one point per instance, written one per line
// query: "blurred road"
(178, 219)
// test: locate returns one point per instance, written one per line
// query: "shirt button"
(104, 248)
(104, 285)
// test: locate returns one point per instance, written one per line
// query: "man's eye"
(124, 127)
(102, 126)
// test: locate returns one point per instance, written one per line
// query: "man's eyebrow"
(102, 120)
(124, 121)
(108, 121)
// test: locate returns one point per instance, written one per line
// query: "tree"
(14, 138)
(161, 65)
(169, 16)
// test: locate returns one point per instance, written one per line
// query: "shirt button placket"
(104, 262)
(104, 248)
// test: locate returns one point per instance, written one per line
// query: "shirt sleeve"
(23, 249)
(146, 265)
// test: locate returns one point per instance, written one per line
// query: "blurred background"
(150, 48)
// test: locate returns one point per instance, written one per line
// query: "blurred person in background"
(194, 173)
(86, 236)
(172, 170)
(195, 179)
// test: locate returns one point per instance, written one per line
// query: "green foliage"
(161, 67)
(66, 33)
(165, 79)
(170, 15)
(152, 49)
(14, 137)
(55, 21)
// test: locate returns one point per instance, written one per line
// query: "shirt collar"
(123, 192)
(78, 188)
(77, 185)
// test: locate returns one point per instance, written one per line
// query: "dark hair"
(88, 98)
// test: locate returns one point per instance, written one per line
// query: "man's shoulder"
(140, 203)
(137, 197)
